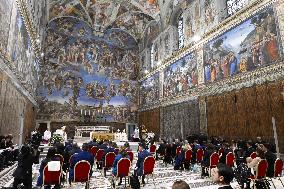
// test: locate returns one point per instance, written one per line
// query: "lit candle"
(89, 112)
(81, 111)
(85, 112)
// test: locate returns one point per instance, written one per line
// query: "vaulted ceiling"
(131, 16)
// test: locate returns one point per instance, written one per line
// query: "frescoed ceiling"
(129, 15)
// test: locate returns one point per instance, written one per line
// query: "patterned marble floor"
(163, 178)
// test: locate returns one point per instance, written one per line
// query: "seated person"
(168, 154)
(84, 155)
(49, 157)
(75, 149)
(181, 157)
(223, 176)
(122, 154)
(249, 149)
(243, 171)
(270, 158)
(162, 148)
(180, 185)
(93, 143)
(227, 149)
(127, 146)
(104, 145)
(206, 159)
(252, 163)
(142, 154)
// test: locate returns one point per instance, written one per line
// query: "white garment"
(47, 135)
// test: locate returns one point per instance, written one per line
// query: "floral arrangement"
(56, 138)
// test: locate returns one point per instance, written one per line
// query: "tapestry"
(180, 120)
(250, 45)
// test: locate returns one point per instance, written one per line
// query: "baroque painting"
(181, 76)
(251, 44)
(149, 90)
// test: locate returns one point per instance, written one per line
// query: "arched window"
(180, 32)
(235, 5)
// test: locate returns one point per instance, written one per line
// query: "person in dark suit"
(249, 150)
(270, 158)
(23, 172)
(141, 157)
(104, 145)
(223, 176)
(206, 159)
(93, 143)
(84, 155)
(227, 149)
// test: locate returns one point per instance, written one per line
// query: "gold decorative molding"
(23, 9)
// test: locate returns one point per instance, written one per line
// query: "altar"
(98, 132)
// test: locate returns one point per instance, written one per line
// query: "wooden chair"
(82, 171)
(51, 177)
(278, 167)
(131, 155)
(99, 157)
(260, 172)
(230, 159)
(109, 159)
(60, 157)
(214, 160)
(123, 169)
(148, 167)
(94, 150)
(153, 148)
(187, 158)
(199, 155)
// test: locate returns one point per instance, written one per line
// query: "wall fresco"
(149, 90)
(89, 75)
(181, 76)
(250, 45)
(5, 20)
